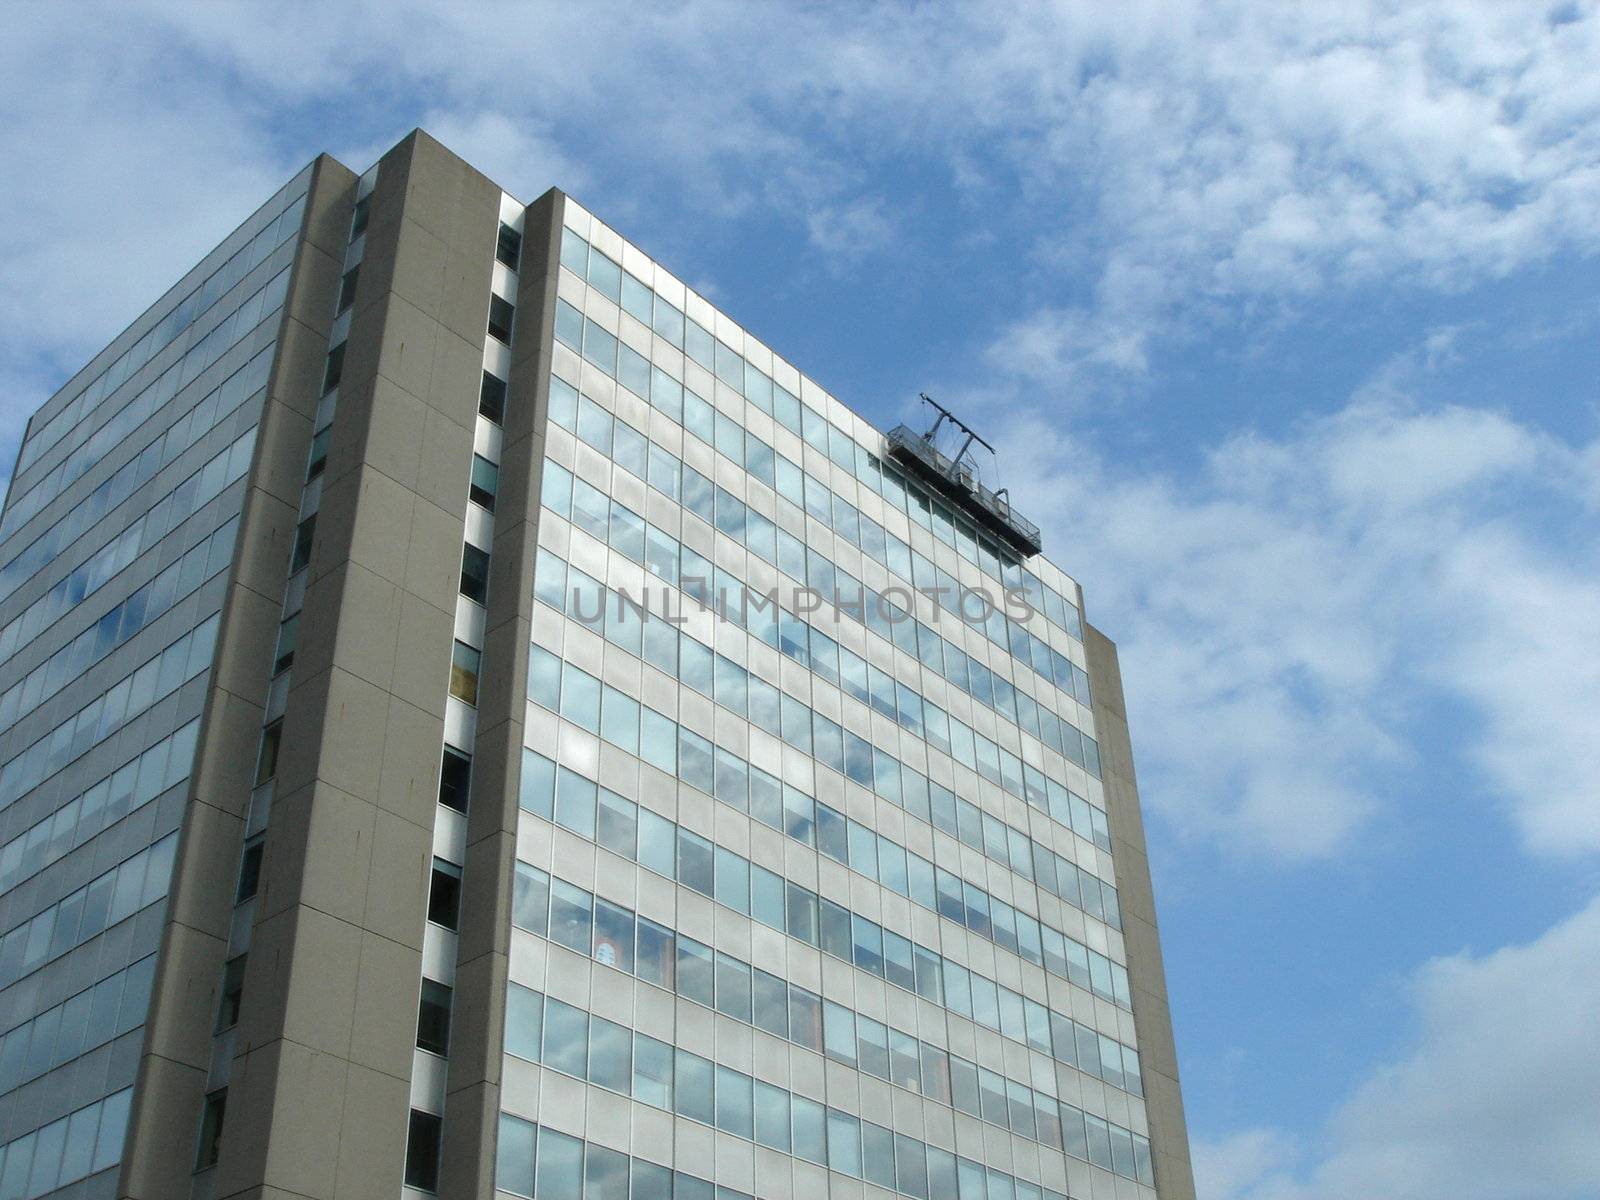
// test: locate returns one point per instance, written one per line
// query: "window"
(444, 894)
(232, 993)
(347, 288)
(303, 534)
(571, 918)
(332, 373)
(283, 657)
(508, 247)
(501, 314)
(422, 1151)
(433, 1018)
(250, 869)
(560, 1166)
(566, 1038)
(464, 673)
(474, 574)
(514, 1156)
(610, 1055)
(358, 218)
(267, 758)
(492, 398)
(605, 1172)
(652, 1071)
(319, 452)
(455, 778)
(211, 1129)
(524, 1022)
(485, 482)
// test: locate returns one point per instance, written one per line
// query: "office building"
(475, 721)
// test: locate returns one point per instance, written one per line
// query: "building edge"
(1152, 1016)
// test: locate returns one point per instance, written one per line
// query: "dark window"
(232, 993)
(485, 482)
(319, 452)
(455, 777)
(444, 894)
(347, 288)
(334, 369)
(433, 1018)
(288, 633)
(249, 869)
(501, 314)
(492, 398)
(474, 573)
(509, 248)
(422, 1151)
(358, 219)
(267, 758)
(211, 1129)
(303, 534)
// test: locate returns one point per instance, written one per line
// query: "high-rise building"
(474, 721)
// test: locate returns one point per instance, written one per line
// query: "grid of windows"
(721, 771)
(206, 413)
(729, 367)
(677, 853)
(91, 433)
(57, 1035)
(67, 1150)
(713, 588)
(80, 915)
(982, 609)
(120, 703)
(678, 653)
(126, 790)
(540, 1161)
(567, 1039)
(618, 937)
(753, 702)
(879, 611)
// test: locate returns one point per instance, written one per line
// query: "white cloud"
(1293, 614)
(1181, 158)
(1497, 1097)
(850, 230)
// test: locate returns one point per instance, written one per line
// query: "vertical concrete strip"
(473, 1088)
(1169, 1136)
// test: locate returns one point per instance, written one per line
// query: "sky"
(1285, 322)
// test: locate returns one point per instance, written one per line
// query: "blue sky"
(1284, 319)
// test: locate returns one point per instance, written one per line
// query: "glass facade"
(814, 873)
(115, 544)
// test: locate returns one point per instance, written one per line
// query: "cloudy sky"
(1284, 318)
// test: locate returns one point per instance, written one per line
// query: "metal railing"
(957, 481)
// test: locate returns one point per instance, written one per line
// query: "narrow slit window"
(232, 993)
(508, 247)
(501, 315)
(433, 1018)
(492, 398)
(422, 1151)
(455, 779)
(474, 573)
(444, 894)
(485, 482)
(334, 371)
(347, 288)
(464, 662)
